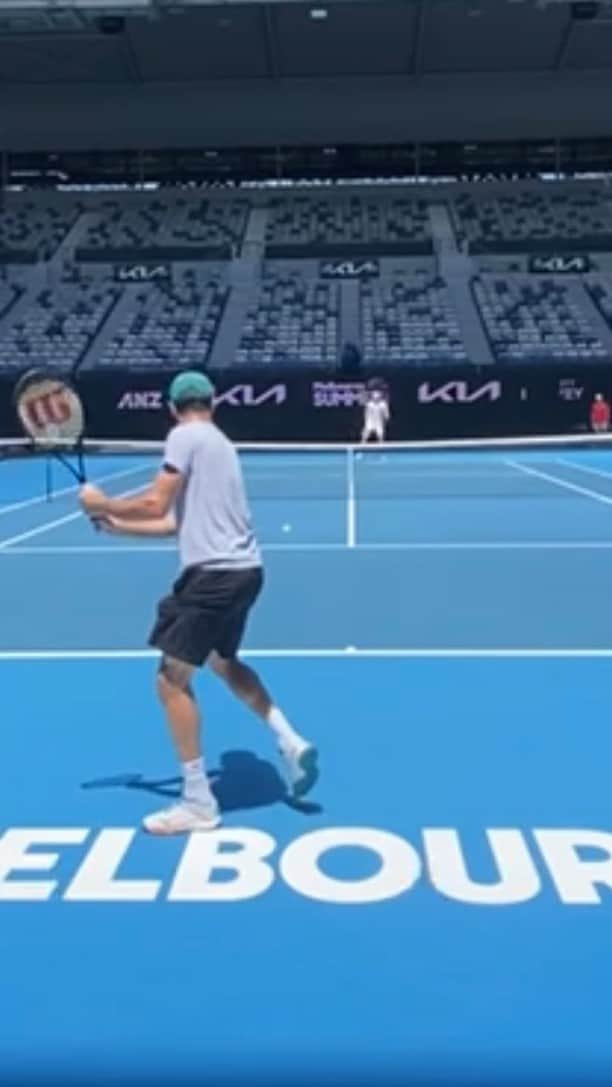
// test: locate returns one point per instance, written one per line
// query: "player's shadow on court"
(242, 781)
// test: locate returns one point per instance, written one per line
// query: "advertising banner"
(305, 406)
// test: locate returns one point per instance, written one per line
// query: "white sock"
(286, 735)
(195, 783)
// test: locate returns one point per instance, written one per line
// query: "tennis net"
(535, 467)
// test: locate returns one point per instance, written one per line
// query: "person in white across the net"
(376, 416)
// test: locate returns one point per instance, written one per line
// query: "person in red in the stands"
(600, 414)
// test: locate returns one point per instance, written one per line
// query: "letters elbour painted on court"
(238, 396)
(458, 392)
(571, 865)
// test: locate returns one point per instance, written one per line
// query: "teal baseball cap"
(190, 385)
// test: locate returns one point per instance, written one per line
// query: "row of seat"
(292, 319)
(304, 221)
(167, 326)
(534, 321)
(38, 223)
(410, 324)
(166, 222)
(58, 327)
(532, 216)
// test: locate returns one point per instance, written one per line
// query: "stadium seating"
(530, 217)
(283, 310)
(167, 220)
(169, 326)
(310, 221)
(600, 290)
(292, 321)
(58, 327)
(9, 294)
(530, 320)
(34, 226)
(409, 322)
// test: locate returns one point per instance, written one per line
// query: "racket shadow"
(241, 782)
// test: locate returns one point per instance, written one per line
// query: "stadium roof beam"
(270, 42)
(84, 7)
(140, 7)
(416, 61)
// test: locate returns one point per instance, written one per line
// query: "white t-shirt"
(376, 413)
(212, 512)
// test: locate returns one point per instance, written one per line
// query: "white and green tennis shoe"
(300, 761)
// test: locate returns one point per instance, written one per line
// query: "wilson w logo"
(48, 408)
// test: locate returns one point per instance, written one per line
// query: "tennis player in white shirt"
(376, 416)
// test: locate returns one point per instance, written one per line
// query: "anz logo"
(238, 396)
(145, 400)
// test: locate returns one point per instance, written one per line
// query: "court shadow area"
(242, 781)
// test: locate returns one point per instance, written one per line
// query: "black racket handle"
(77, 470)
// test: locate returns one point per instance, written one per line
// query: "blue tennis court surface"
(440, 911)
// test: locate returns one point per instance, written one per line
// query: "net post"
(350, 497)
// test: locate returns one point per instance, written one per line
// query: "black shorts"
(206, 610)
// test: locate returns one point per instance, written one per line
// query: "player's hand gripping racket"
(51, 413)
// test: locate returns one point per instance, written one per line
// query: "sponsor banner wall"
(352, 250)
(312, 406)
(594, 243)
(154, 254)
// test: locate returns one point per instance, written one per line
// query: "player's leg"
(197, 809)
(177, 697)
(299, 756)
(184, 640)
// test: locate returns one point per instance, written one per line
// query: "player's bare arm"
(124, 526)
(151, 504)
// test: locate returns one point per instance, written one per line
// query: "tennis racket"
(51, 414)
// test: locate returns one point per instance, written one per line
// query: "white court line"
(585, 468)
(493, 545)
(320, 654)
(48, 525)
(70, 490)
(350, 500)
(528, 470)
